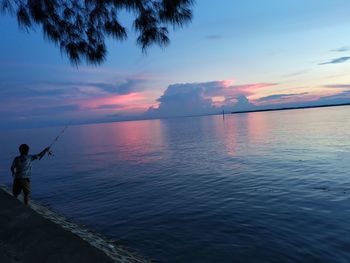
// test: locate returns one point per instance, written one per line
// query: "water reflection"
(239, 132)
(258, 187)
(135, 142)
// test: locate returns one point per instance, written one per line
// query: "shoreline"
(291, 108)
(38, 234)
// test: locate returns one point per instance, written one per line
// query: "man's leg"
(26, 199)
(26, 191)
(16, 188)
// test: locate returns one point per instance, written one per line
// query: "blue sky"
(235, 56)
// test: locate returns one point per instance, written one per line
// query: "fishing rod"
(58, 136)
(55, 140)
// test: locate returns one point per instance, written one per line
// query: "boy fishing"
(22, 170)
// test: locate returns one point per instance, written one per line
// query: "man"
(22, 170)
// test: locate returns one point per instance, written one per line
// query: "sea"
(252, 187)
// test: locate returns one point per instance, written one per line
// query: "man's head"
(23, 149)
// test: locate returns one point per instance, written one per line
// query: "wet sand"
(37, 234)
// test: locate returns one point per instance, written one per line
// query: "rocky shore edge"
(38, 234)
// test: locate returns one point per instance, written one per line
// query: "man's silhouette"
(22, 171)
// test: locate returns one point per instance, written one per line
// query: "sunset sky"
(239, 55)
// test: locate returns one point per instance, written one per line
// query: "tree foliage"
(80, 27)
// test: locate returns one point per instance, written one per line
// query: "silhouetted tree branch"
(80, 27)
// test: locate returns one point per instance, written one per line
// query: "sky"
(236, 55)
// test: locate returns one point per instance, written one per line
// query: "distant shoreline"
(292, 108)
(169, 117)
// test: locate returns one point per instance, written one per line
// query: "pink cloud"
(284, 98)
(131, 103)
(127, 99)
(203, 98)
(247, 89)
(227, 83)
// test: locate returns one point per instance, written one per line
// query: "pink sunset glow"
(222, 93)
(132, 102)
(98, 100)
(122, 100)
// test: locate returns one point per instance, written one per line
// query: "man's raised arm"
(43, 152)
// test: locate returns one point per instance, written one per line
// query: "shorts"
(19, 185)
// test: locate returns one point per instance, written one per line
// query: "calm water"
(257, 187)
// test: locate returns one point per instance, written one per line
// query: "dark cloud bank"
(47, 103)
(71, 89)
(336, 61)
